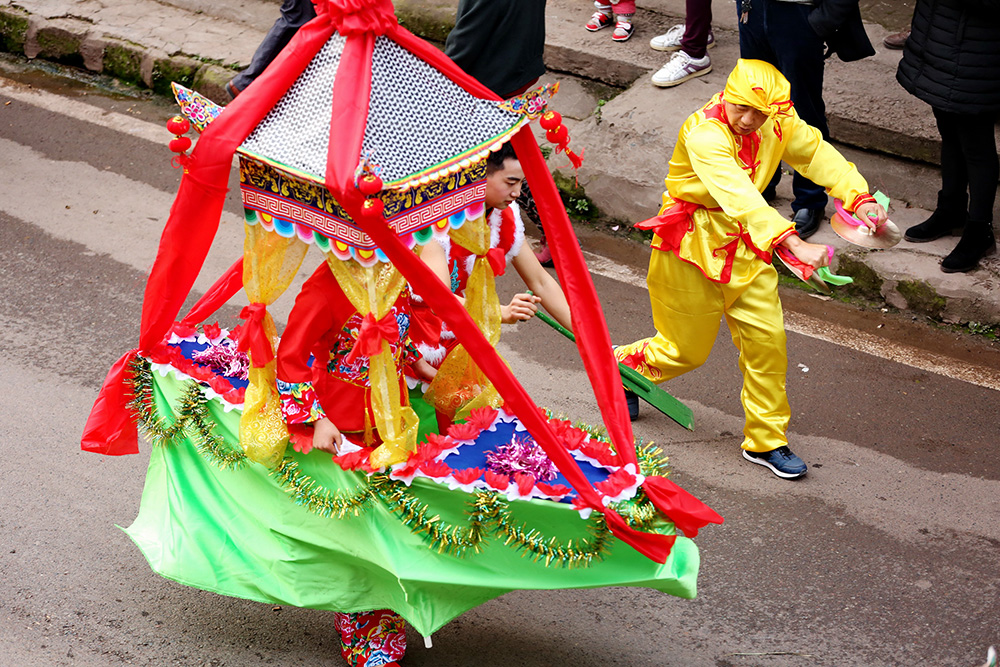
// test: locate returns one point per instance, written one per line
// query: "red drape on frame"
(191, 227)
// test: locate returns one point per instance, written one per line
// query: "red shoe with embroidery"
(598, 21)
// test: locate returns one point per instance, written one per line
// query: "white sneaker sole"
(762, 462)
(677, 82)
(670, 49)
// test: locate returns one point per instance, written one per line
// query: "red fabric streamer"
(352, 17)
(109, 429)
(371, 335)
(194, 220)
(225, 288)
(253, 336)
(687, 512)
(672, 224)
(498, 260)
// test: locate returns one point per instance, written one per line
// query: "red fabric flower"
(235, 396)
(212, 331)
(435, 469)
(466, 431)
(468, 475)
(525, 483)
(556, 490)
(183, 330)
(353, 460)
(573, 438)
(617, 482)
(600, 452)
(483, 418)
(301, 438)
(497, 481)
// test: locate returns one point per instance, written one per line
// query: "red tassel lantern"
(178, 125)
(370, 184)
(372, 208)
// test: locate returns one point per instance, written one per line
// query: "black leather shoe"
(977, 242)
(633, 405)
(232, 90)
(807, 221)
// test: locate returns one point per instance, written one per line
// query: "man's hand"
(872, 214)
(326, 436)
(813, 254)
(424, 370)
(522, 307)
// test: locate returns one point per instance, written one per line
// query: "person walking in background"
(951, 60)
(613, 12)
(690, 41)
(793, 35)
(294, 15)
(501, 44)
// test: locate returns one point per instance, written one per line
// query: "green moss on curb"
(167, 70)
(13, 30)
(921, 297)
(124, 62)
(867, 283)
(578, 204)
(60, 46)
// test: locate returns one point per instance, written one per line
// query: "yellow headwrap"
(757, 84)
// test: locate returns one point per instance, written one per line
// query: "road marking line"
(839, 335)
(112, 120)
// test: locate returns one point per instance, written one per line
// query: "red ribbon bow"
(497, 259)
(371, 335)
(672, 224)
(253, 337)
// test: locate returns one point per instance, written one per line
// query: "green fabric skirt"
(311, 534)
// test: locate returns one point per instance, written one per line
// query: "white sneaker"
(671, 39)
(680, 68)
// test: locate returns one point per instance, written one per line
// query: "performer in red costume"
(504, 178)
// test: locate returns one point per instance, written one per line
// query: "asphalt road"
(887, 553)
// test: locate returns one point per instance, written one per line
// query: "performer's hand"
(522, 307)
(813, 254)
(871, 214)
(326, 436)
(424, 370)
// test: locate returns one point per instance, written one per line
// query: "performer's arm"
(817, 160)
(545, 290)
(312, 316)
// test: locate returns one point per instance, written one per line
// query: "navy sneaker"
(781, 461)
(632, 401)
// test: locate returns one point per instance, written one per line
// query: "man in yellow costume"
(713, 244)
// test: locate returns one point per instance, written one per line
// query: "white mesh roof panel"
(417, 117)
(296, 132)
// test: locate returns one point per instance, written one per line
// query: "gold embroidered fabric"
(460, 386)
(270, 263)
(374, 290)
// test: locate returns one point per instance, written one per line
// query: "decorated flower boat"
(364, 142)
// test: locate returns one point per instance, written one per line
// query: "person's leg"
(624, 13)
(754, 45)
(687, 310)
(978, 146)
(755, 320)
(698, 25)
(952, 203)
(294, 15)
(799, 57)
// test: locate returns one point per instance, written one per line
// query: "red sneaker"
(598, 21)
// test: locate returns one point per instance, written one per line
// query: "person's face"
(744, 119)
(503, 186)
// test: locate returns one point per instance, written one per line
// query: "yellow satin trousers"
(687, 309)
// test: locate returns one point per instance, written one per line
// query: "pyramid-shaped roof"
(420, 124)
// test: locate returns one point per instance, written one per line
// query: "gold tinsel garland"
(487, 509)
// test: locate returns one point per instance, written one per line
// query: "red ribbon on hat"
(253, 337)
(371, 335)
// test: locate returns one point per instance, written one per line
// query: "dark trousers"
(969, 161)
(294, 15)
(697, 25)
(779, 33)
